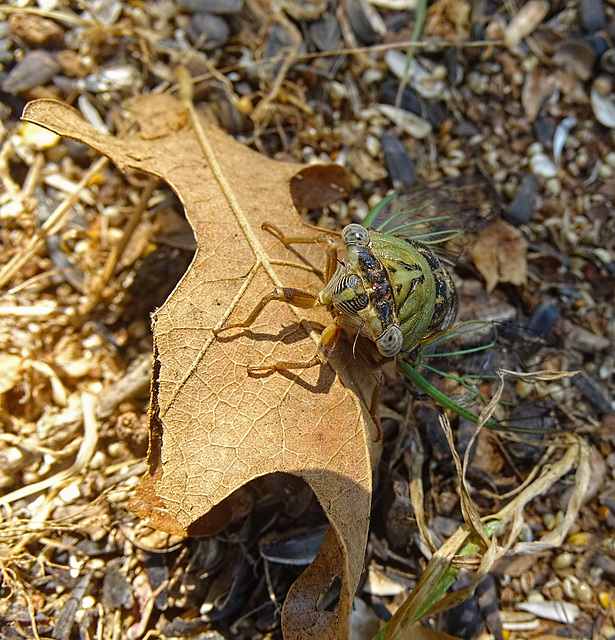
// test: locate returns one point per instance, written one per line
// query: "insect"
(391, 286)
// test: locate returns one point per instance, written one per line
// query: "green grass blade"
(450, 573)
(411, 373)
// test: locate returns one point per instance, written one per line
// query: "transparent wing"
(442, 214)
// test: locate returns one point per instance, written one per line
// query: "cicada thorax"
(394, 290)
(424, 292)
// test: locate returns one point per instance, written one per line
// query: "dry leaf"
(213, 427)
(500, 255)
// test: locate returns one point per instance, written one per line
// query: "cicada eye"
(390, 342)
(346, 298)
(355, 234)
(350, 282)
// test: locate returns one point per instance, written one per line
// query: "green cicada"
(391, 286)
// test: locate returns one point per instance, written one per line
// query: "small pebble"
(553, 186)
(325, 34)
(534, 148)
(399, 164)
(37, 137)
(522, 206)
(36, 30)
(70, 493)
(595, 576)
(525, 21)
(411, 124)
(372, 146)
(337, 90)
(527, 582)
(35, 69)
(592, 15)
(366, 22)
(543, 166)
(526, 534)
(566, 612)
(370, 76)
(580, 538)
(6, 54)
(357, 209)
(110, 79)
(603, 107)
(450, 171)
(607, 631)
(207, 31)
(607, 61)
(584, 592)
(569, 584)
(104, 12)
(603, 255)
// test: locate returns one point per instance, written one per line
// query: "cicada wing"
(442, 214)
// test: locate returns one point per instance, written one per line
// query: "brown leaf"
(213, 427)
(500, 255)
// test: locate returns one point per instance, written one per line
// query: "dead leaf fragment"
(213, 427)
(500, 255)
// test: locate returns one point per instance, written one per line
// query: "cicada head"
(360, 289)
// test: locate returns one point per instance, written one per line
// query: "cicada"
(391, 285)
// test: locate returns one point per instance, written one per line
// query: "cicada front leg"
(297, 298)
(294, 297)
(329, 246)
(328, 342)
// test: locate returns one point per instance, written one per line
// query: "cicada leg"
(328, 341)
(330, 246)
(373, 407)
(294, 297)
(297, 298)
(377, 372)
